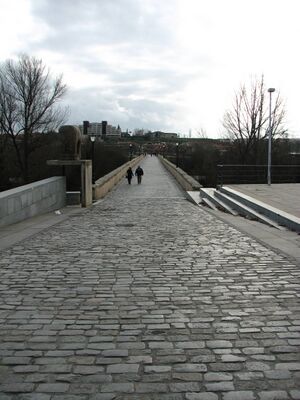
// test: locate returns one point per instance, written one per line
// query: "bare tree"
(247, 123)
(202, 134)
(28, 105)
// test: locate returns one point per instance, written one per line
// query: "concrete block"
(73, 198)
(33, 199)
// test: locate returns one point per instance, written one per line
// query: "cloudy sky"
(172, 65)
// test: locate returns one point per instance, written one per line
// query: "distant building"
(112, 131)
(162, 135)
(102, 129)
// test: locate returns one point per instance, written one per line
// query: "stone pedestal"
(86, 178)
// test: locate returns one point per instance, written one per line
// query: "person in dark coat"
(139, 173)
(129, 175)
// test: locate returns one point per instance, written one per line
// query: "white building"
(96, 129)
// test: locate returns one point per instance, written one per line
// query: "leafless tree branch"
(247, 122)
(29, 100)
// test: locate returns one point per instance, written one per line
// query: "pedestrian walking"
(139, 173)
(129, 175)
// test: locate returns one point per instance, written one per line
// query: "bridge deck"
(145, 296)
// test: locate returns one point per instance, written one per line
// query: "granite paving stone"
(146, 296)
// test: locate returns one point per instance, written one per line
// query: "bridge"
(146, 295)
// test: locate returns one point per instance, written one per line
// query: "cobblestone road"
(145, 296)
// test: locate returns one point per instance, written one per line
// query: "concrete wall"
(185, 181)
(103, 185)
(32, 199)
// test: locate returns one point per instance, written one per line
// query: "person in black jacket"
(139, 173)
(129, 175)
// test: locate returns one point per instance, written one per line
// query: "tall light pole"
(270, 90)
(130, 151)
(93, 138)
(177, 155)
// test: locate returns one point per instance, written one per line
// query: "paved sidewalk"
(145, 296)
(284, 196)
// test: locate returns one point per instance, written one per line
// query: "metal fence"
(240, 173)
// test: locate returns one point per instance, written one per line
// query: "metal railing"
(247, 174)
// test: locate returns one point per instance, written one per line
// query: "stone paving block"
(187, 376)
(292, 366)
(114, 353)
(31, 396)
(117, 388)
(249, 376)
(8, 397)
(16, 360)
(219, 386)
(108, 360)
(103, 396)
(184, 387)
(157, 368)
(170, 359)
(151, 388)
(83, 388)
(273, 395)
(87, 369)
(37, 378)
(26, 368)
(16, 387)
(215, 344)
(56, 368)
(226, 367)
(160, 345)
(53, 387)
(278, 374)
(257, 366)
(122, 368)
(239, 395)
(295, 394)
(216, 376)
(201, 396)
(68, 397)
(188, 367)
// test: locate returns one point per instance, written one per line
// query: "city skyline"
(172, 66)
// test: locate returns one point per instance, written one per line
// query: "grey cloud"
(90, 104)
(77, 23)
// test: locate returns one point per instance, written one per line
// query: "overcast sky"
(172, 65)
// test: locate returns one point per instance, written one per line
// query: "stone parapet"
(104, 184)
(185, 181)
(33, 199)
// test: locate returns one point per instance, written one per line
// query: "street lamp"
(130, 151)
(270, 90)
(177, 155)
(93, 138)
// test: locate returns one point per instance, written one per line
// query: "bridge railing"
(186, 181)
(32, 199)
(104, 184)
(247, 174)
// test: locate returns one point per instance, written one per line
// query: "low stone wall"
(103, 185)
(185, 181)
(33, 199)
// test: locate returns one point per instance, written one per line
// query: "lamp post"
(177, 155)
(270, 90)
(93, 138)
(130, 151)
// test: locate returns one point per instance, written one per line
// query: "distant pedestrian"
(139, 173)
(129, 175)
